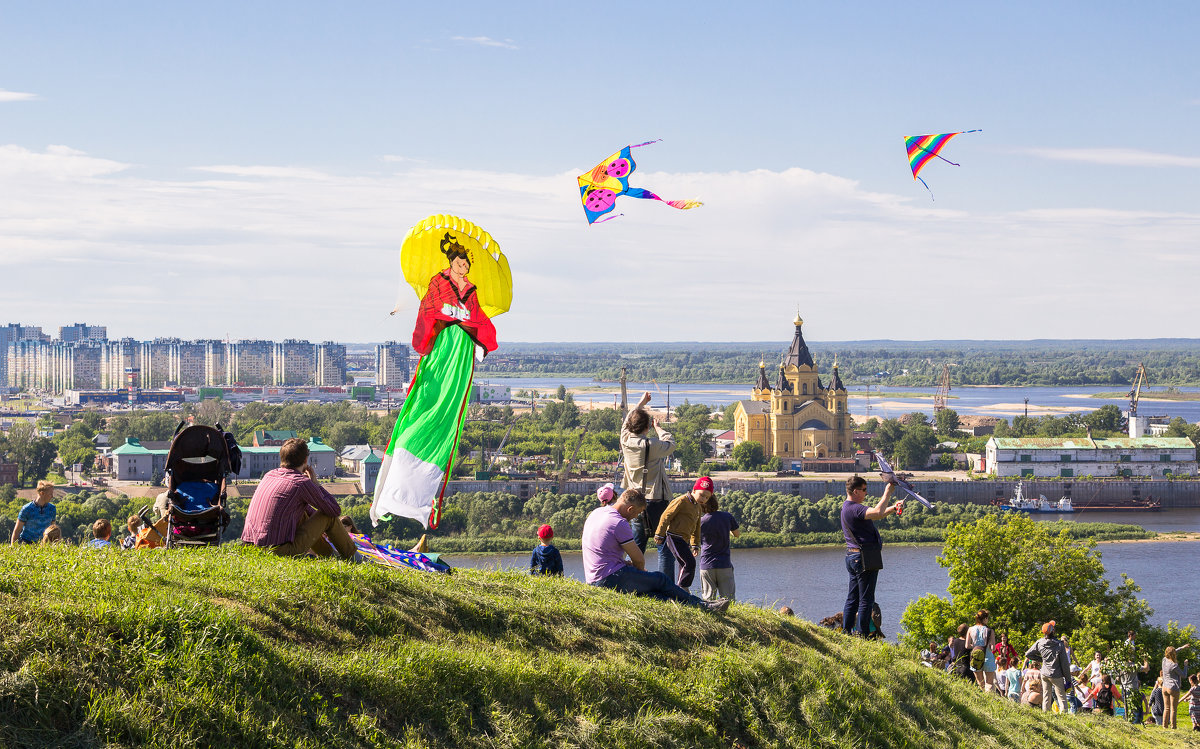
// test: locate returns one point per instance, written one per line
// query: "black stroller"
(197, 466)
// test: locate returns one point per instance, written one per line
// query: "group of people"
(37, 523)
(1048, 676)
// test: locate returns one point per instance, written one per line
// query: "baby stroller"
(197, 465)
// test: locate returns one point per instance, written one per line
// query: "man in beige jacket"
(645, 446)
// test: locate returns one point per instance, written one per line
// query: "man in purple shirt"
(864, 557)
(607, 538)
(291, 514)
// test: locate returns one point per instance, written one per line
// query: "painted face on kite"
(619, 168)
(597, 201)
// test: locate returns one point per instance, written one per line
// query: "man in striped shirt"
(291, 514)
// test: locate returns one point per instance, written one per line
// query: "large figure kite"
(609, 180)
(923, 148)
(889, 475)
(452, 324)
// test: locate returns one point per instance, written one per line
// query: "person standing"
(36, 516)
(1049, 651)
(864, 552)
(643, 455)
(1172, 680)
(679, 530)
(716, 567)
(981, 638)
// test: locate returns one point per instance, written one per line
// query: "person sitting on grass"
(545, 559)
(132, 525)
(36, 516)
(291, 514)
(102, 532)
(52, 534)
(608, 537)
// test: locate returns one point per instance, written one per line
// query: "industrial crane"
(1140, 380)
(943, 389)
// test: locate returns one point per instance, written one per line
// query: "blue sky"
(155, 155)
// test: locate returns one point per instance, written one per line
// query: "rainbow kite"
(923, 148)
(609, 180)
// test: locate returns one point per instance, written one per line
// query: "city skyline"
(249, 172)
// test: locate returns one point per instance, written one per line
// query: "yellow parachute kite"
(421, 258)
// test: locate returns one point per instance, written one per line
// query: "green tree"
(1107, 418)
(33, 454)
(1024, 575)
(691, 435)
(947, 421)
(914, 448)
(75, 447)
(748, 455)
(561, 393)
(887, 435)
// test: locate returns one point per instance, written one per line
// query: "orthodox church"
(797, 416)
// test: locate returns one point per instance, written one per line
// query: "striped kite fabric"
(923, 148)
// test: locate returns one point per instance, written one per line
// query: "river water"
(987, 401)
(813, 581)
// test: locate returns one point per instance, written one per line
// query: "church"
(797, 417)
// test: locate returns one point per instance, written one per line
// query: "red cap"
(545, 533)
(1048, 626)
(704, 483)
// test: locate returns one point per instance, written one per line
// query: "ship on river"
(1021, 503)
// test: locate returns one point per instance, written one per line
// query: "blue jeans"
(666, 561)
(630, 579)
(639, 532)
(860, 599)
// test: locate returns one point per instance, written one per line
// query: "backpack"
(234, 450)
(1104, 698)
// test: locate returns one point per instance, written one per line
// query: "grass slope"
(234, 647)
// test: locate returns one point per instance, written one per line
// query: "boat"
(1021, 503)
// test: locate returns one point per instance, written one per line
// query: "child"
(1156, 702)
(545, 560)
(53, 534)
(606, 494)
(132, 525)
(716, 568)
(102, 530)
(1193, 697)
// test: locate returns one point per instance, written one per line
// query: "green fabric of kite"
(413, 476)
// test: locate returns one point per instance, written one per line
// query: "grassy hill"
(234, 647)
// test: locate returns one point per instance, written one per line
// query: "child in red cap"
(545, 560)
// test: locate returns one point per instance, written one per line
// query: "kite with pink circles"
(609, 180)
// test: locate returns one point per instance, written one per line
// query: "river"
(812, 581)
(987, 401)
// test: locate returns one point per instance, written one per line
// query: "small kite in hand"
(889, 475)
(923, 148)
(609, 180)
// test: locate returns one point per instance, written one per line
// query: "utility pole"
(668, 401)
(624, 396)
(1027, 408)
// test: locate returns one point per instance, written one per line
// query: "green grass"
(235, 647)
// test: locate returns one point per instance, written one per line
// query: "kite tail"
(639, 192)
(923, 182)
(683, 205)
(607, 218)
(651, 142)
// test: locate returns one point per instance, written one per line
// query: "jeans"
(860, 599)
(666, 561)
(639, 533)
(630, 579)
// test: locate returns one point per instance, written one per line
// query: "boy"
(102, 530)
(545, 559)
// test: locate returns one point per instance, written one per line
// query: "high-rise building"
(82, 332)
(216, 364)
(294, 363)
(12, 332)
(331, 363)
(115, 358)
(192, 364)
(251, 362)
(391, 364)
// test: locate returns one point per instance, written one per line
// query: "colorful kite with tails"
(923, 148)
(609, 180)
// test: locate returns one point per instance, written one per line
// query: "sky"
(249, 170)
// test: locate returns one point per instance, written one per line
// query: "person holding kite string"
(864, 551)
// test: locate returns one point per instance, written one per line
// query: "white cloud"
(1115, 156)
(274, 172)
(296, 252)
(485, 41)
(394, 159)
(15, 96)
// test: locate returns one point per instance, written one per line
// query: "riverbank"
(234, 647)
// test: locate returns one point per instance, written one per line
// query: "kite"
(385, 555)
(923, 148)
(453, 327)
(609, 180)
(889, 475)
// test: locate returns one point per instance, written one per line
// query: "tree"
(33, 454)
(691, 435)
(914, 448)
(947, 421)
(1024, 576)
(748, 455)
(562, 393)
(75, 447)
(887, 435)
(1107, 418)
(871, 425)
